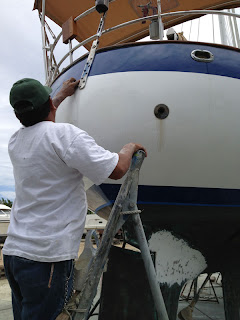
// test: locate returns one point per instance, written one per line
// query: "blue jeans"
(39, 289)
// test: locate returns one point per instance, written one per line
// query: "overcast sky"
(21, 57)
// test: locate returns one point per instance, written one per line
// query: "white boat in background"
(5, 212)
(94, 222)
(180, 99)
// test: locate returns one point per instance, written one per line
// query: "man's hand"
(130, 148)
(68, 88)
(125, 158)
(139, 147)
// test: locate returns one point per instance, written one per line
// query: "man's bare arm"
(68, 89)
(125, 158)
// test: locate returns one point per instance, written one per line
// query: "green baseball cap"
(31, 91)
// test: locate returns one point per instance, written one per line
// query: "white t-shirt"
(48, 215)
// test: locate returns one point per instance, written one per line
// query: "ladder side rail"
(150, 270)
(90, 286)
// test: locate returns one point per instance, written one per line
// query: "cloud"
(21, 56)
(9, 124)
(7, 192)
(22, 38)
(7, 195)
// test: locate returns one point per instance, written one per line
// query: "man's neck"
(50, 117)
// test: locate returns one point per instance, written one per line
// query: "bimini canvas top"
(122, 11)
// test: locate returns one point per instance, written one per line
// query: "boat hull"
(196, 146)
(189, 187)
(4, 223)
(193, 154)
(4, 227)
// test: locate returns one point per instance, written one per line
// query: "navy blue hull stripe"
(172, 204)
(164, 56)
(180, 196)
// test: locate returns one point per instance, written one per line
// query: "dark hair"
(32, 117)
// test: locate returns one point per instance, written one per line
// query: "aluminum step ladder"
(125, 205)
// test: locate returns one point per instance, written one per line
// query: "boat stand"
(124, 206)
(125, 289)
(231, 294)
(197, 293)
(186, 313)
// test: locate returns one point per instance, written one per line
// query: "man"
(48, 215)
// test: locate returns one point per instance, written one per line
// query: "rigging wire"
(198, 29)
(232, 30)
(229, 35)
(190, 30)
(182, 27)
(236, 30)
(228, 31)
(213, 28)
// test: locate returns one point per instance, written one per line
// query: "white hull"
(190, 179)
(4, 228)
(94, 222)
(197, 145)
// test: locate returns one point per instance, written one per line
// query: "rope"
(131, 212)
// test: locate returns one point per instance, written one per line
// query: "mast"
(160, 23)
